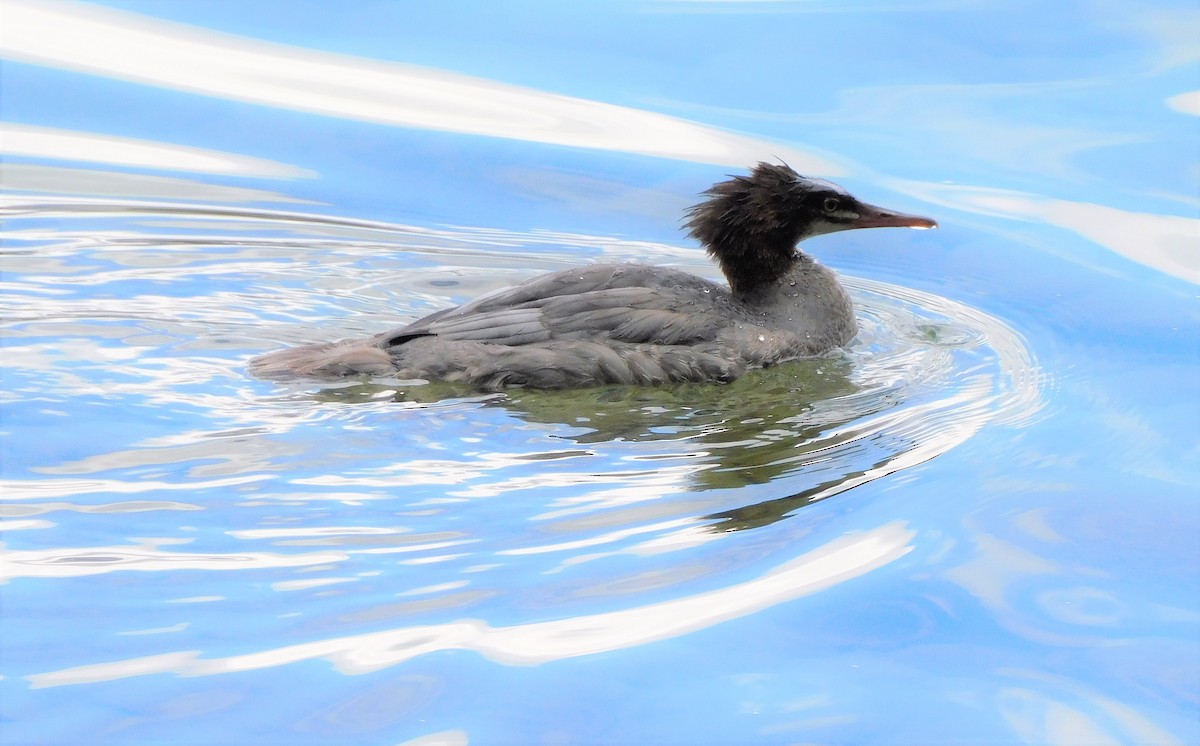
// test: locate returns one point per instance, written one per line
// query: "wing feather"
(623, 302)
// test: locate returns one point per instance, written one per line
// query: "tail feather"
(352, 358)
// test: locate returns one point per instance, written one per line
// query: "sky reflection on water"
(546, 641)
(978, 523)
(94, 40)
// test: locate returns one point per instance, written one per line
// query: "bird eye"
(831, 205)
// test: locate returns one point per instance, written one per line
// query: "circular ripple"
(397, 504)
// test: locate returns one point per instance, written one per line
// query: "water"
(977, 524)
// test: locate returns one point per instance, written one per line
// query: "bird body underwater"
(639, 324)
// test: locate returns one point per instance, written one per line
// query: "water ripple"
(409, 509)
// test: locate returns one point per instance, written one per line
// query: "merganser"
(638, 324)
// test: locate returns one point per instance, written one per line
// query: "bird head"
(751, 224)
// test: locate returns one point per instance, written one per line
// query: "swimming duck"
(637, 323)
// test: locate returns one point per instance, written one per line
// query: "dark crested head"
(751, 224)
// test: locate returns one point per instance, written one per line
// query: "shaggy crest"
(751, 224)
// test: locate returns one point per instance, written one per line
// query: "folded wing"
(622, 303)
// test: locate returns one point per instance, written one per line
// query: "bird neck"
(810, 302)
(752, 273)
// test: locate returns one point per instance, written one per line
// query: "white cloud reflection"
(73, 562)
(28, 177)
(1057, 711)
(44, 142)
(130, 47)
(839, 560)
(1186, 103)
(1167, 243)
(441, 738)
(42, 489)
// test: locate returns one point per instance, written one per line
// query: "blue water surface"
(978, 524)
